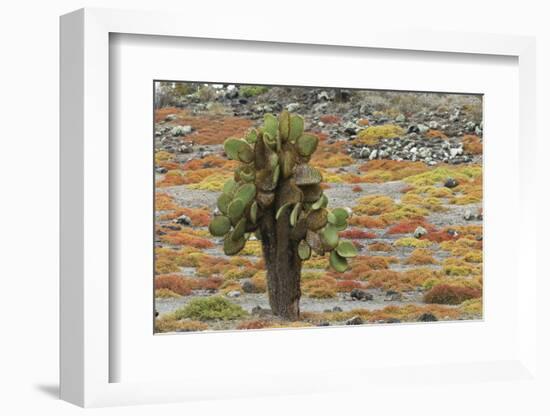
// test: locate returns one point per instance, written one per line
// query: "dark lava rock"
(183, 220)
(249, 287)
(359, 294)
(427, 317)
(324, 323)
(161, 170)
(356, 320)
(393, 321)
(337, 309)
(450, 183)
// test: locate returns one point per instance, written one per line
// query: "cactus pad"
(306, 144)
(219, 226)
(338, 263)
(346, 249)
(307, 175)
(304, 250)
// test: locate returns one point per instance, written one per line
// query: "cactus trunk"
(283, 266)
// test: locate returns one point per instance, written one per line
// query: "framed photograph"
(282, 213)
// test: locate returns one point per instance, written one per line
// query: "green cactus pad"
(233, 146)
(321, 203)
(306, 144)
(312, 193)
(246, 193)
(252, 136)
(260, 154)
(276, 174)
(304, 250)
(270, 141)
(229, 187)
(281, 210)
(246, 154)
(271, 125)
(338, 263)
(338, 217)
(296, 128)
(232, 247)
(235, 210)
(265, 199)
(223, 202)
(254, 212)
(314, 241)
(284, 125)
(307, 175)
(240, 229)
(288, 161)
(329, 236)
(346, 249)
(219, 226)
(294, 214)
(246, 173)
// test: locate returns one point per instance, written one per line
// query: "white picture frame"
(86, 350)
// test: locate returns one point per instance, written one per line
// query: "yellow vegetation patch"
(372, 135)
(412, 242)
(421, 256)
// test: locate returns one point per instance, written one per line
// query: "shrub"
(172, 178)
(408, 226)
(254, 324)
(170, 324)
(433, 134)
(412, 242)
(252, 90)
(450, 295)
(210, 308)
(380, 246)
(421, 256)
(174, 283)
(372, 135)
(472, 144)
(330, 119)
(367, 221)
(472, 307)
(259, 281)
(166, 294)
(356, 234)
(186, 239)
(324, 288)
(374, 205)
(164, 202)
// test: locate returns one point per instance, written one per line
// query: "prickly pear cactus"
(277, 193)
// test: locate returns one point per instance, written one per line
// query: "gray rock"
(470, 126)
(248, 287)
(455, 115)
(433, 124)
(478, 131)
(292, 107)
(161, 170)
(400, 118)
(358, 294)
(337, 309)
(356, 320)
(393, 321)
(183, 220)
(233, 294)
(323, 95)
(422, 128)
(186, 148)
(351, 128)
(450, 183)
(181, 130)
(419, 232)
(170, 117)
(373, 154)
(468, 215)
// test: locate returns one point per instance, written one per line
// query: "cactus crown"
(274, 175)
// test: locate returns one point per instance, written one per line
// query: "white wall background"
(29, 56)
